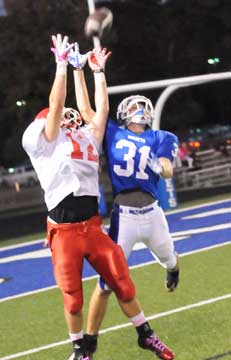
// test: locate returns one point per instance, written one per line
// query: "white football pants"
(130, 225)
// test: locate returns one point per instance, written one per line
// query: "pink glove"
(97, 59)
(61, 48)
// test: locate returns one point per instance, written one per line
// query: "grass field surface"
(194, 320)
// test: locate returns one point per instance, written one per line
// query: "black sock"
(91, 342)
(144, 330)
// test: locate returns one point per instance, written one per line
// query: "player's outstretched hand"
(154, 164)
(60, 48)
(97, 58)
(76, 59)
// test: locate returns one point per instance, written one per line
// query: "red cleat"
(154, 344)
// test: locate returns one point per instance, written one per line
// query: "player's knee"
(125, 290)
(73, 302)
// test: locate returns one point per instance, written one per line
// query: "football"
(98, 22)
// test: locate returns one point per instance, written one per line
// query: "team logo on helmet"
(135, 109)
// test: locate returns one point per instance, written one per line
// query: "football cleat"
(154, 344)
(172, 277)
(79, 351)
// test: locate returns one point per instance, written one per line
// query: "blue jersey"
(127, 155)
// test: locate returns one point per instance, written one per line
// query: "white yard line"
(32, 242)
(36, 254)
(201, 230)
(207, 213)
(121, 326)
(198, 206)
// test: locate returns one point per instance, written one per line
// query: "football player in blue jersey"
(137, 156)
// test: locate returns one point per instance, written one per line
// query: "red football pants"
(70, 244)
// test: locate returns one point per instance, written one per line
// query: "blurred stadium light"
(214, 60)
(162, 2)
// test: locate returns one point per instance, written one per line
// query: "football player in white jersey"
(65, 157)
(137, 156)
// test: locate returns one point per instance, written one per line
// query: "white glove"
(76, 59)
(155, 164)
(97, 59)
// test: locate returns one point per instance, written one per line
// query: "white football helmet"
(135, 109)
(71, 118)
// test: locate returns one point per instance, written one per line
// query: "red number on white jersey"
(78, 154)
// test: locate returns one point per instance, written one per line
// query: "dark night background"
(150, 40)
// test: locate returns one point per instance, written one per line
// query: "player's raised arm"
(78, 62)
(97, 60)
(58, 92)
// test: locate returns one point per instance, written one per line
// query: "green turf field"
(194, 328)
(194, 320)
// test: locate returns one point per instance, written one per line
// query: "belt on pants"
(137, 211)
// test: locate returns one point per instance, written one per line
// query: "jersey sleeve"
(111, 127)
(33, 140)
(168, 145)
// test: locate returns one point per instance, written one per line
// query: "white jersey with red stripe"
(66, 165)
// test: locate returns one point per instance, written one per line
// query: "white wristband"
(61, 68)
(99, 76)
